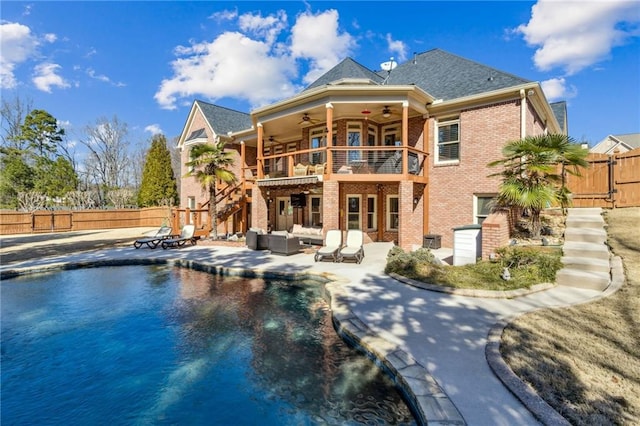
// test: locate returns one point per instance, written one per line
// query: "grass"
(528, 266)
(585, 360)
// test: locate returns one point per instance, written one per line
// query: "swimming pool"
(169, 345)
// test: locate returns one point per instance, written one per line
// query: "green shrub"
(528, 266)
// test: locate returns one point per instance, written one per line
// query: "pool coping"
(428, 402)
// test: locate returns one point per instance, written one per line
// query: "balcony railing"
(346, 160)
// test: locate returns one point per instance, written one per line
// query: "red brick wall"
(483, 132)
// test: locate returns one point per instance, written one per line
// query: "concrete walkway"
(445, 333)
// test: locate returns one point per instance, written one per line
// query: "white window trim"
(392, 129)
(311, 198)
(388, 213)
(476, 214)
(374, 213)
(355, 127)
(436, 129)
(359, 197)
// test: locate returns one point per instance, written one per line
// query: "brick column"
(410, 233)
(331, 205)
(495, 233)
(259, 212)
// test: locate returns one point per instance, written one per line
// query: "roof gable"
(347, 69)
(224, 120)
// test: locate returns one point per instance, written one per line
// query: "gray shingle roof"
(631, 139)
(348, 68)
(447, 76)
(197, 134)
(224, 120)
(439, 73)
(560, 112)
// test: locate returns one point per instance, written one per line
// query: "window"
(315, 211)
(372, 140)
(372, 216)
(393, 213)
(448, 141)
(354, 138)
(353, 212)
(482, 205)
(391, 135)
(317, 139)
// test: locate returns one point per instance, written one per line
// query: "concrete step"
(585, 235)
(585, 222)
(588, 250)
(590, 280)
(587, 264)
(584, 211)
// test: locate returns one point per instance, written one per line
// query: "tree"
(41, 133)
(158, 184)
(208, 165)
(530, 178)
(107, 165)
(55, 178)
(16, 176)
(12, 114)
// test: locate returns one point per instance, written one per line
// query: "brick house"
(399, 153)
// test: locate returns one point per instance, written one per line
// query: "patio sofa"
(308, 234)
(257, 239)
(282, 242)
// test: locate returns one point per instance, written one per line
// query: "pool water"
(168, 345)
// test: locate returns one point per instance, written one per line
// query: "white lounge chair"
(354, 246)
(153, 240)
(186, 235)
(332, 244)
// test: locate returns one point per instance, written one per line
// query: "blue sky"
(146, 62)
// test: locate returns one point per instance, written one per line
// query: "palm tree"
(572, 158)
(530, 178)
(209, 163)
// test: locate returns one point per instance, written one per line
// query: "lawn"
(585, 360)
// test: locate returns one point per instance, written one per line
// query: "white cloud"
(224, 15)
(557, 88)
(318, 39)
(576, 34)
(267, 28)
(101, 77)
(154, 129)
(50, 37)
(46, 77)
(397, 47)
(17, 45)
(233, 65)
(255, 63)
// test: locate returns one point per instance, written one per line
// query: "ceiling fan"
(307, 120)
(386, 111)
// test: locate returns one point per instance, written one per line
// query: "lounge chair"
(152, 241)
(332, 244)
(186, 235)
(354, 247)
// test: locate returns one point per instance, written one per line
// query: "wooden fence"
(12, 222)
(610, 181)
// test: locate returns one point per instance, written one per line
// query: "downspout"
(523, 114)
